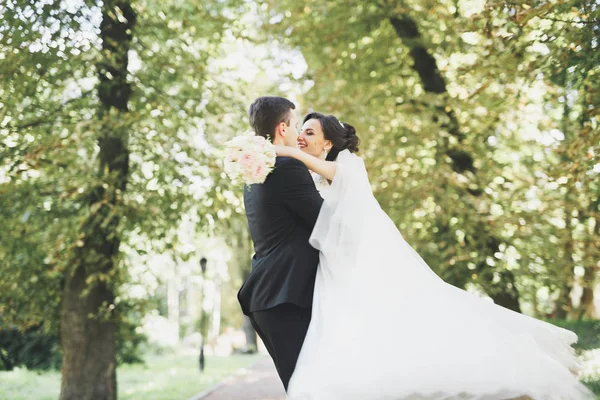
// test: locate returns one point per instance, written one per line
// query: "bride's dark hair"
(342, 135)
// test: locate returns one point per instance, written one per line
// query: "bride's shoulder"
(347, 154)
(348, 157)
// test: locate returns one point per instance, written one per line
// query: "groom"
(277, 295)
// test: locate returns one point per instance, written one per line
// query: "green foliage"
(37, 348)
(594, 387)
(588, 332)
(130, 341)
(50, 154)
(468, 159)
(33, 349)
(202, 324)
(489, 168)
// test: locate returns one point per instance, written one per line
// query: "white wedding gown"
(385, 326)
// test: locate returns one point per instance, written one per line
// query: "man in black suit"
(277, 295)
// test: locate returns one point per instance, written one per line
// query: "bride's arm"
(324, 168)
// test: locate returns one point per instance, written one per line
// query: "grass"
(168, 377)
(164, 377)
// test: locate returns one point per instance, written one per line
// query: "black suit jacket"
(281, 214)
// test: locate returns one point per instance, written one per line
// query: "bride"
(385, 326)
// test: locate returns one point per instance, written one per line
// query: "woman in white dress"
(385, 326)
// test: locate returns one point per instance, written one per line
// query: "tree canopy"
(478, 122)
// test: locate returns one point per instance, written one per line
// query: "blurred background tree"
(474, 118)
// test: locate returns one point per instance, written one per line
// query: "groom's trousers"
(282, 330)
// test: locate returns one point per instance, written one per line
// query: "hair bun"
(352, 140)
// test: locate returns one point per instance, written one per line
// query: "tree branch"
(47, 118)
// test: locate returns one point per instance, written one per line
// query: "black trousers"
(282, 329)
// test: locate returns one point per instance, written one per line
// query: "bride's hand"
(284, 151)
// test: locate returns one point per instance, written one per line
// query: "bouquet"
(249, 158)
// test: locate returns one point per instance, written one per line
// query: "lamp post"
(203, 262)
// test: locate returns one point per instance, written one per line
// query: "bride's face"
(312, 140)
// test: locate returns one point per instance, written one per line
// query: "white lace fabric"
(320, 183)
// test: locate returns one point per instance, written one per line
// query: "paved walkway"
(259, 382)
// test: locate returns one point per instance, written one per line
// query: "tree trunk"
(88, 341)
(587, 306)
(249, 332)
(251, 340)
(240, 242)
(504, 292)
(564, 303)
(88, 326)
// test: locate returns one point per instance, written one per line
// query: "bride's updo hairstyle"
(342, 135)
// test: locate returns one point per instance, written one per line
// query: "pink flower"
(246, 160)
(258, 171)
(249, 158)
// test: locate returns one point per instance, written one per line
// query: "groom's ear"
(280, 129)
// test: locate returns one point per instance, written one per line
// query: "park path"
(258, 382)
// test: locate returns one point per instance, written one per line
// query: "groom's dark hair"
(267, 112)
